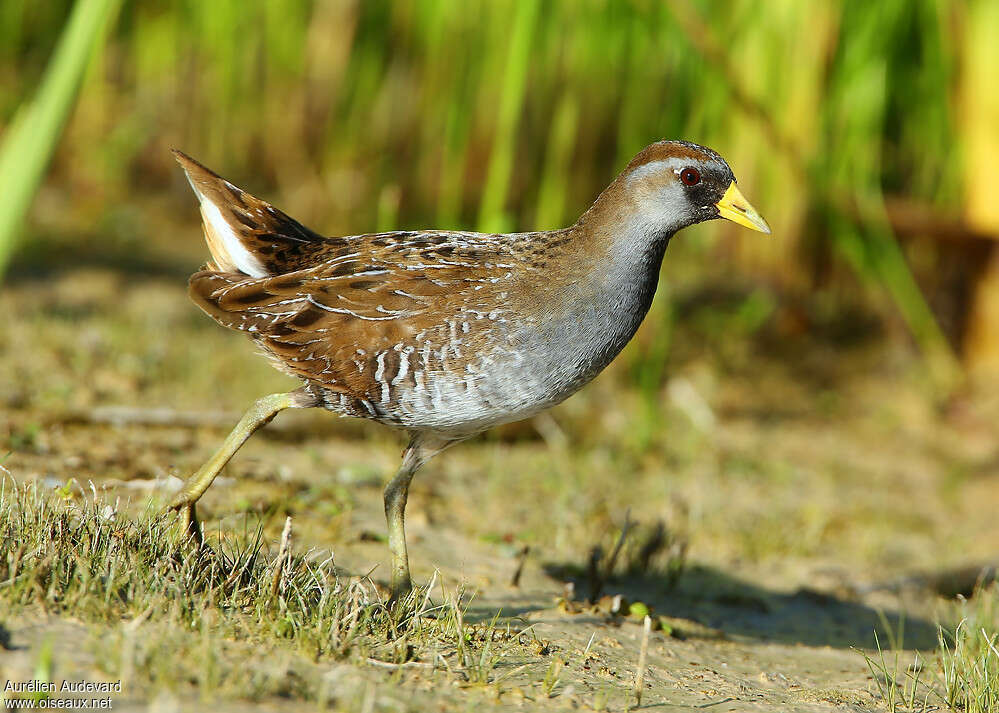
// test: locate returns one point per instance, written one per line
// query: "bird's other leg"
(262, 411)
(421, 448)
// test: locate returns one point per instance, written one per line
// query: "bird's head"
(673, 184)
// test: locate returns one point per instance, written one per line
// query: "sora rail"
(444, 334)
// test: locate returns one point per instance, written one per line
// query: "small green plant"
(966, 662)
(969, 655)
(551, 678)
(885, 672)
(43, 669)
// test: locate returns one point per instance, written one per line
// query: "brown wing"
(340, 322)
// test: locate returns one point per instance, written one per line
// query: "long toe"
(190, 524)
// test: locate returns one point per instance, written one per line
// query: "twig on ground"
(521, 560)
(612, 560)
(594, 574)
(643, 655)
(600, 572)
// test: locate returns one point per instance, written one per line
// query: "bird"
(443, 334)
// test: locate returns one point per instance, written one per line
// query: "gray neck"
(621, 292)
(601, 312)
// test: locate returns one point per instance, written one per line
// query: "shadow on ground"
(736, 608)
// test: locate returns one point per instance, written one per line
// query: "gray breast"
(460, 383)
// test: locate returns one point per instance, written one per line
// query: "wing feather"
(341, 321)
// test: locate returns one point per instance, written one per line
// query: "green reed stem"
(492, 208)
(34, 133)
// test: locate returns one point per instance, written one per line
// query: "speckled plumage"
(443, 333)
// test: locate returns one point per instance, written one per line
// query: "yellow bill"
(733, 206)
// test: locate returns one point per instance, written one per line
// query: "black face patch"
(703, 196)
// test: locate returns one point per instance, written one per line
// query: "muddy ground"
(812, 486)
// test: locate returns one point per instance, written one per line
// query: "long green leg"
(396, 495)
(258, 415)
(421, 448)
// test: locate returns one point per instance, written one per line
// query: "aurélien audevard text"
(67, 686)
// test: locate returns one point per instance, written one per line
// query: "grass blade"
(35, 130)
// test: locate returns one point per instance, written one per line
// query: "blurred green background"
(864, 132)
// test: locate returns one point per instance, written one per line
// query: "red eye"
(690, 176)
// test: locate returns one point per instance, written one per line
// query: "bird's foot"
(399, 589)
(190, 526)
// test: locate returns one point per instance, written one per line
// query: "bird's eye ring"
(690, 176)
